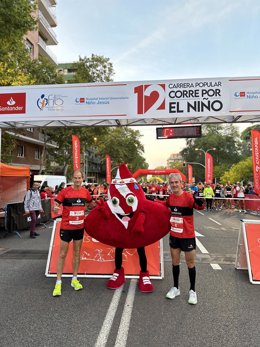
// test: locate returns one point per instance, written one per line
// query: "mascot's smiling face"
(123, 200)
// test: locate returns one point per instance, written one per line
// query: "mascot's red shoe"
(144, 283)
(117, 280)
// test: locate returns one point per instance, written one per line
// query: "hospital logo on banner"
(51, 102)
(12, 103)
(150, 97)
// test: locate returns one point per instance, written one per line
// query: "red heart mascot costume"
(128, 220)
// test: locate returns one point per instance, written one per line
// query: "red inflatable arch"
(141, 172)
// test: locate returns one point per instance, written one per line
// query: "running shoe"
(117, 279)
(173, 292)
(57, 290)
(192, 297)
(76, 284)
(144, 283)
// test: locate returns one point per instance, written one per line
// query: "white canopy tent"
(140, 103)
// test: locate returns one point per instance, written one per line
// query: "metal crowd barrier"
(15, 220)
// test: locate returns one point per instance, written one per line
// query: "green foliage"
(94, 69)
(246, 134)
(226, 140)
(8, 146)
(246, 140)
(15, 20)
(42, 71)
(124, 146)
(242, 171)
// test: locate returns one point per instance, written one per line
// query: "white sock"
(74, 278)
(58, 282)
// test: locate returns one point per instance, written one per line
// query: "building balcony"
(46, 52)
(46, 31)
(39, 141)
(47, 9)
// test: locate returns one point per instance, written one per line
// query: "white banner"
(215, 97)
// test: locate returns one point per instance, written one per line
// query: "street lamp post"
(205, 153)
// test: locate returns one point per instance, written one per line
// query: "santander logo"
(12, 103)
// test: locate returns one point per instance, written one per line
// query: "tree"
(246, 140)
(42, 71)
(124, 146)
(97, 68)
(8, 145)
(242, 171)
(226, 140)
(15, 21)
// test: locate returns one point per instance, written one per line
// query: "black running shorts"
(186, 245)
(68, 235)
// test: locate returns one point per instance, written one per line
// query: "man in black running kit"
(228, 195)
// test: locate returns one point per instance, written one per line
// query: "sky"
(162, 39)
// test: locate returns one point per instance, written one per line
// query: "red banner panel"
(255, 136)
(189, 174)
(208, 168)
(108, 169)
(253, 242)
(76, 152)
(98, 259)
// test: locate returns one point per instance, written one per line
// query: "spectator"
(60, 187)
(228, 193)
(43, 193)
(33, 207)
(217, 195)
(208, 194)
(239, 194)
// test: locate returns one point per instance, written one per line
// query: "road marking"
(198, 234)
(213, 220)
(201, 247)
(215, 267)
(200, 213)
(126, 316)
(106, 327)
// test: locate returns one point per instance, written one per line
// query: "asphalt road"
(227, 313)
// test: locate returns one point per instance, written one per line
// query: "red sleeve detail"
(60, 196)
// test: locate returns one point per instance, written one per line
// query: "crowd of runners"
(217, 196)
(230, 196)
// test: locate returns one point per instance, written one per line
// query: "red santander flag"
(255, 137)
(108, 169)
(209, 168)
(189, 173)
(76, 152)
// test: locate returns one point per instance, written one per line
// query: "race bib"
(77, 213)
(176, 224)
(76, 222)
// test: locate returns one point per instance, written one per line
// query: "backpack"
(26, 194)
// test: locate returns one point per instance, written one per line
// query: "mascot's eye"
(115, 201)
(130, 200)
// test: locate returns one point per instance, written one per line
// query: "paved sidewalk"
(12, 241)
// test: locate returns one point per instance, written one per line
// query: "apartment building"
(30, 142)
(38, 42)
